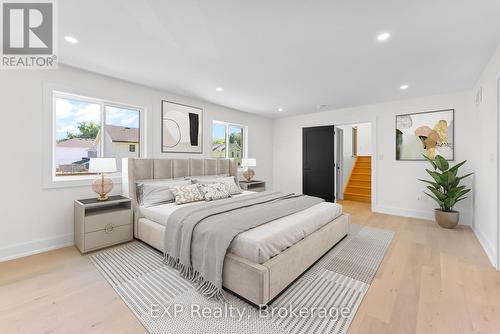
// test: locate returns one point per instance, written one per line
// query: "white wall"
(486, 170)
(396, 189)
(364, 139)
(34, 218)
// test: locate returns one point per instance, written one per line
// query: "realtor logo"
(28, 39)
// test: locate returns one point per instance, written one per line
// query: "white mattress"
(266, 241)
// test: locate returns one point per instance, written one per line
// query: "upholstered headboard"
(134, 169)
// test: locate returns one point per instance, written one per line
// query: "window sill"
(77, 181)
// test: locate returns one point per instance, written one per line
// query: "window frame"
(244, 138)
(50, 180)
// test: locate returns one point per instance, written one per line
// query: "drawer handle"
(109, 228)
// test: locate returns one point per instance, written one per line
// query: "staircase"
(359, 186)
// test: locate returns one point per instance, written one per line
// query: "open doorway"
(353, 172)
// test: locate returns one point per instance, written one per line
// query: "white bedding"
(263, 242)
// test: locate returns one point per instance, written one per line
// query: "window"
(87, 128)
(228, 141)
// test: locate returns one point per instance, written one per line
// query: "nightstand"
(253, 185)
(100, 224)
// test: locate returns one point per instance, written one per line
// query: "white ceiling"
(284, 53)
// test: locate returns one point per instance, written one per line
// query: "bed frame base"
(261, 283)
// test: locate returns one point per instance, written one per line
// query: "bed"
(259, 263)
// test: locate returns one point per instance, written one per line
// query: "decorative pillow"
(157, 192)
(187, 194)
(215, 191)
(230, 181)
(233, 185)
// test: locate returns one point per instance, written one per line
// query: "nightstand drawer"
(107, 237)
(106, 218)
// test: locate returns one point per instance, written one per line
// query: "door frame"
(375, 157)
(339, 163)
(497, 264)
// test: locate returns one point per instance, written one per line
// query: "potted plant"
(446, 190)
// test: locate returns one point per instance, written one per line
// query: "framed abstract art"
(182, 128)
(428, 133)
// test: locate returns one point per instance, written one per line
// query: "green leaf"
(455, 183)
(452, 192)
(440, 195)
(461, 193)
(449, 203)
(437, 186)
(436, 176)
(455, 168)
(463, 177)
(441, 163)
(435, 198)
(448, 179)
(430, 161)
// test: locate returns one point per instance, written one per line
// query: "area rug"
(323, 300)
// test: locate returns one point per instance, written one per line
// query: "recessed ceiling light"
(280, 109)
(404, 87)
(71, 39)
(383, 36)
(219, 89)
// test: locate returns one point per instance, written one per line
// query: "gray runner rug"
(323, 300)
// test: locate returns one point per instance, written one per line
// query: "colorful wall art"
(429, 133)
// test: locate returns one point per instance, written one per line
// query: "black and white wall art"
(182, 128)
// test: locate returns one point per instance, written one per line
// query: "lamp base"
(102, 186)
(102, 197)
(249, 174)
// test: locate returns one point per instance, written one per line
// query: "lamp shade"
(102, 165)
(248, 162)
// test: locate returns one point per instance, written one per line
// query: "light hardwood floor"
(431, 281)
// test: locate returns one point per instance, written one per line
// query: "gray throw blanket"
(197, 237)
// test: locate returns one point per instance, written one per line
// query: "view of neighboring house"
(120, 142)
(235, 152)
(73, 155)
(219, 150)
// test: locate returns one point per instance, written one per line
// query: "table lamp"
(103, 185)
(249, 173)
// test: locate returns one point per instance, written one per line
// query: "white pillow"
(157, 192)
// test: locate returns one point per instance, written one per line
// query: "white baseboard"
(488, 247)
(34, 247)
(427, 214)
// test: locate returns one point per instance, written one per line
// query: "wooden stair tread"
(358, 195)
(358, 187)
